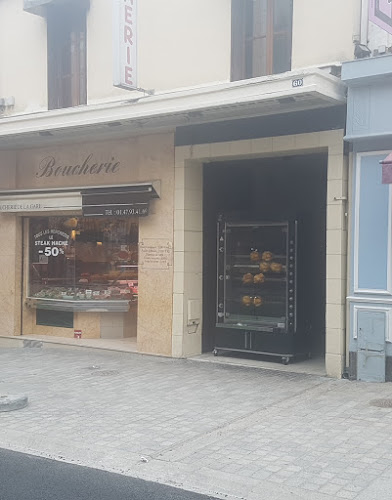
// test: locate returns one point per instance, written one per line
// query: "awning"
(387, 169)
(131, 200)
(37, 6)
(127, 201)
(28, 202)
(32, 5)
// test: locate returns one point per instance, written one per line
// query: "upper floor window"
(261, 37)
(67, 80)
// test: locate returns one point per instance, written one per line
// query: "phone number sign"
(131, 210)
(381, 14)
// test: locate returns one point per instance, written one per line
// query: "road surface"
(26, 477)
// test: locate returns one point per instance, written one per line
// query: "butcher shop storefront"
(87, 242)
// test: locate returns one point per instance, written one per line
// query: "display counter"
(79, 305)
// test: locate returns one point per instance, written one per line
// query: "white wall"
(184, 42)
(23, 57)
(99, 54)
(323, 31)
(181, 43)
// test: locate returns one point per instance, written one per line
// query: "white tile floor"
(314, 366)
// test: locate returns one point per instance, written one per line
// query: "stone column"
(337, 208)
(188, 251)
(155, 302)
(10, 254)
(10, 274)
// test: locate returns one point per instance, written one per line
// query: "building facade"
(111, 197)
(369, 133)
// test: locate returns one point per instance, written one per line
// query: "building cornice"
(277, 94)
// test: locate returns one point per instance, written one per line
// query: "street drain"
(105, 373)
(381, 403)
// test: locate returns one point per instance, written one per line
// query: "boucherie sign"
(50, 167)
(124, 44)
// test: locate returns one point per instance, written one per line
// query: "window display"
(78, 259)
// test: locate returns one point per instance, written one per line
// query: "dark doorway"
(270, 190)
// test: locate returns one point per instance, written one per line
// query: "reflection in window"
(261, 37)
(67, 73)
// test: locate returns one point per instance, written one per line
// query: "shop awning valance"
(387, 169)
(37, 6)
(124, 201)
(115, 201)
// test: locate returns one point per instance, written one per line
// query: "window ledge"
(79, 305)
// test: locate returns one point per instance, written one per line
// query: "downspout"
(361, 23)
(364, 33)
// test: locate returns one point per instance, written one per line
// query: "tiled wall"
(10, 274)
(142, 158)
(188, 230)
(188, 263)
(337, 208)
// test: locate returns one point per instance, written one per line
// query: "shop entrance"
(270, 190)
(81, 274)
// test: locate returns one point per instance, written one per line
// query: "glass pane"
(259, 61)
(260, 18)
(256, 284)
(282, 54)
(282, 15)
(78, 258)
(256, 63)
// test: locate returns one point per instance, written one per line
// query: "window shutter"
(282, 35)
(238, 39)
(261, 37)
(67, 85)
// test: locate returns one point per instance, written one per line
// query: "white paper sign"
(155, 253)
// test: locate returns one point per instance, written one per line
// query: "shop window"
(261, 37)
(60, 319)
(77, 260)
(66, 35)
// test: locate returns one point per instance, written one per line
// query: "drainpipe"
(361, 16)
(364, 22)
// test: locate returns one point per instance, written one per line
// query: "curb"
(11, 403)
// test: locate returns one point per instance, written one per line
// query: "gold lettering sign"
(49, 167)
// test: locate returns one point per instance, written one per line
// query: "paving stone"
(346, 494)
(311, 486)
(261, 474)
(290, 429)
(330, 489)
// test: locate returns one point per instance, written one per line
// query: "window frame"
(243, 39)
(67, 45)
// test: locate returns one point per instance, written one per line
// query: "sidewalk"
(229, 431)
